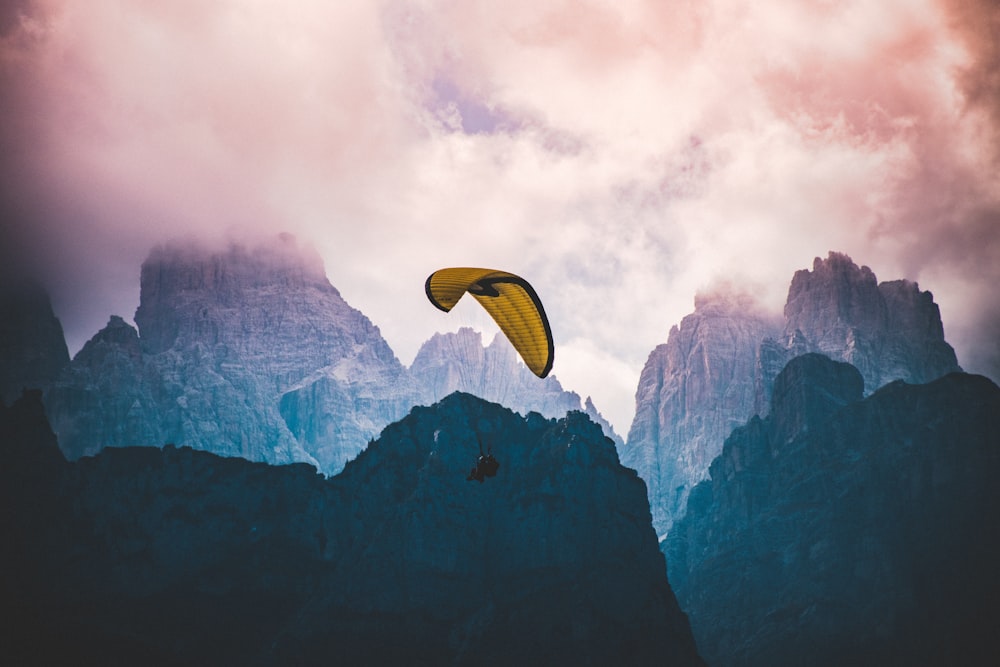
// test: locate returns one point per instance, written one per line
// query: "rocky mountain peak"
(450, 362)
(689, 392)
(185, 286)
(118, 335)
(889, 331)
(718, 367)
(243, 351)
(833, 302)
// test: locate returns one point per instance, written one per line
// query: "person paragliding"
(486, 465)
(514, 305)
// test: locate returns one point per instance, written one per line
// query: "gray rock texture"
(249, 351)
(848, 530)
(888, 331)
(109, 395)
(182, 557)
(717, 368)
(692, 392)
(451, 362)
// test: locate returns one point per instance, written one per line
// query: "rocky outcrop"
(108, 395)
(888, 331)
(241, 352)
(717, 368)
(249, 351)
(848, 530)
(692, 392)
(32, 347)
(450, 362)
(179, 556)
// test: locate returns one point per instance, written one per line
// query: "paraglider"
(510, 301)
(513, 304)
(486, 465)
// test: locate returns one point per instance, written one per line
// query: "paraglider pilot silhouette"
(517, 310)
(486, 465)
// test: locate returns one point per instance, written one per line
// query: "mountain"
(717, 368)
(32, 346)
(176, 556)
(848, 530)
(248, 351)
(109, 395)
(692, 392)
(450, 362)
(888, 331)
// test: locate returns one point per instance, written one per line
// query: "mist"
(620, 156)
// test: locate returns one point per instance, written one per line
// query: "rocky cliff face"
(250, 352)
(717, 368)
(245, 352)
(180, 556)
(692, 392)
(109, 395)
(458, 361)
(841, 530)
(888, 331)
(32, 347)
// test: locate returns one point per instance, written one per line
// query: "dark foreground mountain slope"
(842, 530)
(175, 556)
(32, 347)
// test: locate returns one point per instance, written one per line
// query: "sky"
(622, 156)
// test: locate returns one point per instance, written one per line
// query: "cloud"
(621, 156)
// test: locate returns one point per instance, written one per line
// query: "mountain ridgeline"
(823, 484)
(177, 556)
(250, 352)
(717, 368)
(848, 530)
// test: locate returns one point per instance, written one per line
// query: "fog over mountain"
(620, 156)
(717, 368)
(248, 350)
(839, 515)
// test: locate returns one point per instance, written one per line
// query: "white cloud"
(639, 152)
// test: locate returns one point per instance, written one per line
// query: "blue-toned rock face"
(717, 368)
(458, 361)
(231, 349)
(249, 351)
(848, 530)
(184, 557)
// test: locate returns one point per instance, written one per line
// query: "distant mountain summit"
(717, 368)
(175, 556)
(692, 392)
(888, 331)
(250, 351)
(229, 346)
(450, 362)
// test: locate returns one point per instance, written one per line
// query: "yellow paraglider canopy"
(509, 300)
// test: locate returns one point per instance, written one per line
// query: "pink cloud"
(680, 143)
